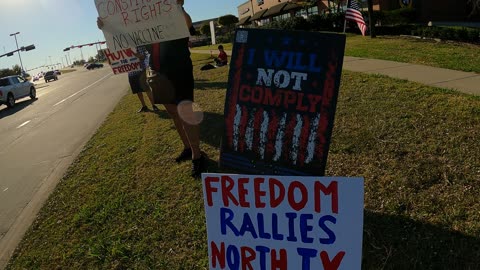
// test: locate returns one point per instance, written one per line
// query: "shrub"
(399, 16)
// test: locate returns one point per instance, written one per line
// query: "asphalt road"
(40, 138)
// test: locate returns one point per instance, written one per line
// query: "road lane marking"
(5, 189)
(26, 122)
(85, 88)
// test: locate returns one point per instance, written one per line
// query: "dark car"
(94, 66)
(50, 75)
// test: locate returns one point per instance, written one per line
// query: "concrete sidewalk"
(466, 82)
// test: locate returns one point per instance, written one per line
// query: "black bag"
(207, 67)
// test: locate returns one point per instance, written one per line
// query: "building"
(259, 12)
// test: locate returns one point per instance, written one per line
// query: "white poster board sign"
(123, 61)
(128, 24)
(283, 222)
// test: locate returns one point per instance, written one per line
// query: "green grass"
(124, 204)
(463, 57)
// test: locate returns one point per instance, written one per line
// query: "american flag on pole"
(353, 14)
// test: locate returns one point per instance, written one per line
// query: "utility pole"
(370, 19)
(16, 42)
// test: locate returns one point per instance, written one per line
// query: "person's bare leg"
(190, 125)
(140, 97)
(177, 121)
(150, 97)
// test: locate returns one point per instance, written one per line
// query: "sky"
(53, 25)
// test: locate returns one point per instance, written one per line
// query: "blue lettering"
(331, 235)
(233, 257)
(275, 234)
(291, 226)
(261, 227)
(273, 59)
(306, 254)
(305, 228)
(248, 226)
(263, 256)
(226, 217)
(251, 56)
(313, 68)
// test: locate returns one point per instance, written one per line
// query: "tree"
(17, 70)
(228, 21)
(205, 29)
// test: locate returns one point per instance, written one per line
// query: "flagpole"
(345, 19)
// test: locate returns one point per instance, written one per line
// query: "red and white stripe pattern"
(353, 14)
(288, 137)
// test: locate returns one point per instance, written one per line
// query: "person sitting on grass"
(222, 58)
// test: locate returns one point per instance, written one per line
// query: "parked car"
(15, 87)
(94, 66)
(50, 75)
(35, 78)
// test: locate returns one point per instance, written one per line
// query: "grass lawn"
(124, 204)
(464, 57)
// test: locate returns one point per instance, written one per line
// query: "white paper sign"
(128, 24)
(283, 222)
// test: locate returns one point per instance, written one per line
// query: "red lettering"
(300, 106)
(227, 186)
(333, 264)
(247, 258)
(242, 96)
(274, 199)
(291, 195)
(113, 56)
(314, 100)
(242, 191)
(125, 18)
(218, 255)
(332, 190)
(129, 52)
(272, 100)
(209, 189)
(259, 193)
(290, 98)
(257, 94)
(280, 263)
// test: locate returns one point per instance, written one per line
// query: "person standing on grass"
(137, 79)
(171, 59)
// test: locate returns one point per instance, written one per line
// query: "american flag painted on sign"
(353, 14)
(287, 147)
(280, 101)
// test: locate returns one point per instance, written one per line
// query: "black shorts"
(183, 82)
(136, 83)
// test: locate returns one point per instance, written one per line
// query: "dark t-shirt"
(170, 55)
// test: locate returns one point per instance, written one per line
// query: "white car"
(15, 87)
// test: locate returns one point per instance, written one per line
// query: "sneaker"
(198, 166)
(186, 154)
(155, 108)
(143, 109)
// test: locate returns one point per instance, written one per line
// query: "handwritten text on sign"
(283, 222)
(123, 61)
(128, 24)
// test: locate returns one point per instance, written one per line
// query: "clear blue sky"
(53, 25)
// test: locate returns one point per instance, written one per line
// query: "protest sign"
(123, 61)
(281, 101)
(283, 222)
(128, 24)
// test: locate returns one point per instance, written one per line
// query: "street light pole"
(16, 42)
